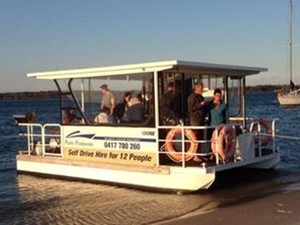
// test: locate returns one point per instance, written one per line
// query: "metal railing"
(269, 135)
(42, 139)
(206, 138)
(52, 133)
(47, 139)
(32, 135)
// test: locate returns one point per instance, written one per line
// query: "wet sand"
(29, 199)
(275, 209)
(35, 200)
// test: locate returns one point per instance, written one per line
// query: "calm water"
(26, 199)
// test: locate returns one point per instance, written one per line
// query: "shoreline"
(274, 209)
(29, 95)
(55, 94)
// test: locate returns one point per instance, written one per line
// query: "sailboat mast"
(291, 39)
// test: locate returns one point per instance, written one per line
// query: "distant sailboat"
(293, 96)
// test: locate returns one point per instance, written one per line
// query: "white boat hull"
(172, 178)
(263, 162)
(267, 163)
(166, 178)
(289, 99)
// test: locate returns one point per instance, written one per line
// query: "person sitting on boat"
(103, 116)
(217, 109)
(30, 117)
(170, 105)
(292, 85)
(197, 106)
(119, 111)
(70, 116)
(108, 99)
(134, 110)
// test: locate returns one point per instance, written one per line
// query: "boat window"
(123, 100)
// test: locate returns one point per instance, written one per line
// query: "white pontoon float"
(151, 152)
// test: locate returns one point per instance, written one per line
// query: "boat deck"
(111, 166)
(206, 164)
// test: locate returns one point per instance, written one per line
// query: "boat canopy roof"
(172, 66)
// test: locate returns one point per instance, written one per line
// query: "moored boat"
(291, 97)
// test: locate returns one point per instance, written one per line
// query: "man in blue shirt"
(217, 109)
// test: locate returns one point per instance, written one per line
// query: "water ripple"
(32, 200)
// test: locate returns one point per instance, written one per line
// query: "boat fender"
(176, 154)
(223, 142)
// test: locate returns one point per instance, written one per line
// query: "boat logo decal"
(77, 134)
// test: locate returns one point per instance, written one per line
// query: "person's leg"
(194, 121)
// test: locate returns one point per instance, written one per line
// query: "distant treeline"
(55, 94)
(266, 87)
(29, 95)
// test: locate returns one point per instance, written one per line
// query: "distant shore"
(55, 94)
(29, 95)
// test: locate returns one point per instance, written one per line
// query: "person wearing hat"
(108, 99)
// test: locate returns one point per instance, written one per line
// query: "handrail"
(260, 134)
(183, 139)
(202, 140)
(45, 136)
(54, 136)
(274, 133)
(42, 135)
(30, 135)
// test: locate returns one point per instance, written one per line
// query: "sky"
(51, 35)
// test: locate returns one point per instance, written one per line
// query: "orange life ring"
(267, 128)
(223, 141)
(176, 155)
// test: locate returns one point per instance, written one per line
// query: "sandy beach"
(277, 209)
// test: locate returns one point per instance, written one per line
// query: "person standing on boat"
(292, 85)
(217, 109)
(170, 104)
(197, 106)
(197, 112)
(108, 99)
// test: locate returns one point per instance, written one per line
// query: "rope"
(287, 137)
(281, 136)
